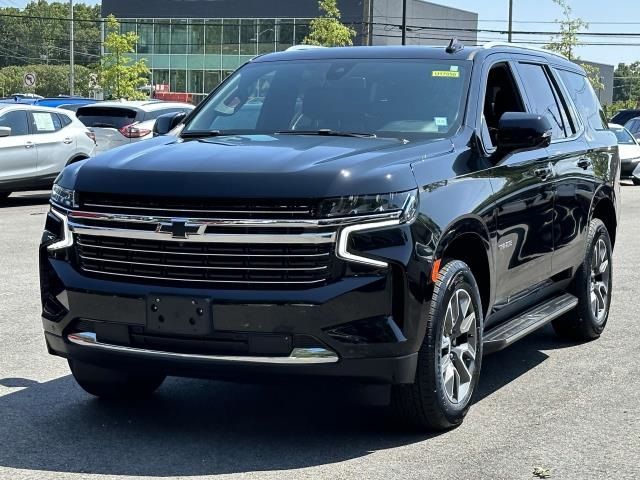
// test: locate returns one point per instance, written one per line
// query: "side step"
(513, 330)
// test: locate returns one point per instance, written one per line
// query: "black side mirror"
(167, 122)
(523, 131)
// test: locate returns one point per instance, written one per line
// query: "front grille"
(168, 261)
(200, 208)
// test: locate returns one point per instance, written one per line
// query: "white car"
(121, 123)
(36, 143)
(629, 152)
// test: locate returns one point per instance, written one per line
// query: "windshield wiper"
(327, 133)
(204, 133)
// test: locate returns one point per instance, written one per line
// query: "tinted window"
(66, 121)
(45, 122)
(106, 117)
(16, 121)
(402, 98)
(542, 97)
(624, 137)
(585, 99)
(155, 114)
(633, 126)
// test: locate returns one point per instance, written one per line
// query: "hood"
(628, 152)
(256, 166)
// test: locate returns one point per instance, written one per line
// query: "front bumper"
(366, 328)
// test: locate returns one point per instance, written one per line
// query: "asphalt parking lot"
(541, 403)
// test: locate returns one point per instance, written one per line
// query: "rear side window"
(105, 117)
(543, 98)
(66, 121)
(633, 126)
(45, 122)
(16, 121)
(585, 99)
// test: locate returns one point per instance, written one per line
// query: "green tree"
(52, 80)
(626, 83)
(120, 76)
(39, 33)
(566, 41)
(327, 30)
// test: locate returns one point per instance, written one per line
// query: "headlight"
(404, 203)
(369, 204)
(63, 197)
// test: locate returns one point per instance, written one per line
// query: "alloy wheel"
(600, 279)
(458, 348)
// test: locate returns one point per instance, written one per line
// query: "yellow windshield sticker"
(445, 73)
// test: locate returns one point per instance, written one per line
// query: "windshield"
(403, 98)
(624, 137)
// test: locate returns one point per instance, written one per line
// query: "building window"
(179, 36)
(213, 34)
(178, 81)
(212, 79)
(145, 34)
(248, 38)
(196, 37)
(160, 77)
(302, 30)
(162, 36)
(285, 34)
(194, 81)
(266, 36)
(231, 36)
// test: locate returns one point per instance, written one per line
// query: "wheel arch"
(467, 239)
(77, 158)
(603, 208)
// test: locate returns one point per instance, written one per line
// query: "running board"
(513, 330)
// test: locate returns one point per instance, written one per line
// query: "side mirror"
(167, 122)
(523, 131)
(5, 132)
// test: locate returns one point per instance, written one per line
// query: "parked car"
(64, 101)
(629, 152)
(120, 123)
(623, 116)
(633, 126)
(36, 143)
(390, 215)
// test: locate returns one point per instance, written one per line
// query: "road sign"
(93, 80)
(29, 80)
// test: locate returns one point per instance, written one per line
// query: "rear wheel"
(4, 196)
(450, 357)
(113, 384)
(636, 181)
(592, 286)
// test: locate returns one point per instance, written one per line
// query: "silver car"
(36, 143)
(121, 123)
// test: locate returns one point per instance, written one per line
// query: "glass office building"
(192, 45)
(195, 55)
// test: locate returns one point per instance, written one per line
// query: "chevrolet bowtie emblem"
(181, 228)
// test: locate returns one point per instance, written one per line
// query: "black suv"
(386, 214)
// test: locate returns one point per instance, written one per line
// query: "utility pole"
(510, 20)
(72, 76)
(404, 22)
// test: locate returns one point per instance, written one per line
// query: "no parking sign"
(29, 80)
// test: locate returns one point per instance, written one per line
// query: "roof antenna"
(454, 46)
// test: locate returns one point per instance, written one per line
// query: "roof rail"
(535, 49)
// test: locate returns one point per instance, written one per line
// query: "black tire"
(113, 384)
(4, 196)
(636, 181)
(582, 324)
(425, 404)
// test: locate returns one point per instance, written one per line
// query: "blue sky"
(527, 13)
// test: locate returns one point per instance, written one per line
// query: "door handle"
(67, 141)
(584, 163)
(28, 145)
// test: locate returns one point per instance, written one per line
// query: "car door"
(18, 158)
(523, 194)
(572, 171)
(53, 145)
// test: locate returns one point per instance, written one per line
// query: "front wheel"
(450, 357)
(113, 384)
(592, 286)
(636, 181)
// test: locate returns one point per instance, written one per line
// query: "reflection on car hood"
(255, 166)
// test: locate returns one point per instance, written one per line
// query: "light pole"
(510, 37)
(404, 22)
(72, 79)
